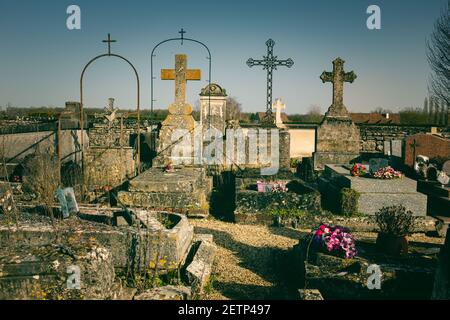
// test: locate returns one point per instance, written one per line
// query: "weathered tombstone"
(213, 105)
(72, 204)
(397, 148)
(62, 202)
(338, 138)
(377, 163)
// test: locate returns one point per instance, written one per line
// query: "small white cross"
(278, 105)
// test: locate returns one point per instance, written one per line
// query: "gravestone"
(338, 138)
(213, 106)
(377, 163)
(109, 161)
(186, 188)
(429, 145)
(179, 118)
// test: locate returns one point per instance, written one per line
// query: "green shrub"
(287, 213)
(395, 221)
(349, 202)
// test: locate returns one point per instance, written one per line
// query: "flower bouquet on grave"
(336, 240)
(279, 187)
(260, 186)
(387, 173)
(358, 170)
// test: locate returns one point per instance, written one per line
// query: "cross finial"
(182, 32)
(109, 41)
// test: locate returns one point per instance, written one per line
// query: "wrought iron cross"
(109, 41)
(270, 63)
(182, 32)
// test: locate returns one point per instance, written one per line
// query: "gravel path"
(250, 260)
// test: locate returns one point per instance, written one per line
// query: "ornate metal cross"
(109, 41)
(270, 63)
(338, 77)
(181, 74)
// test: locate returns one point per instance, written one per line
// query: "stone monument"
(338, 138)
(213, 106)
(180, 113)
(279, 106)
(186, 187)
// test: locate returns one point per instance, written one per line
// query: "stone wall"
(373, 137)
(108, 167)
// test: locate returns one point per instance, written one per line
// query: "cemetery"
(112, 207)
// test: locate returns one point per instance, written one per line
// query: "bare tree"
(314, 110)
(439, 57)
(381, 110)
(234, 109)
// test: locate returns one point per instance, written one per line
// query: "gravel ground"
(253, 261)
(248, 260)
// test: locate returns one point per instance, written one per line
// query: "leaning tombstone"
(62, 202)
(72, 204)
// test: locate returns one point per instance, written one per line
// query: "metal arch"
(138, 104)
(182, 38)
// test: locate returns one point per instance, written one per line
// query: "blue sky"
(41, 60)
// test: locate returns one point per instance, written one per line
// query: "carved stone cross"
(181, 74)
(279, 106)
(338, 77)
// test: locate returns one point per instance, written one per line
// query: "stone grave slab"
(186, 190)
(376, 193)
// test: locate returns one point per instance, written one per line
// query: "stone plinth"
(338, 142)
(186, 190)
(374, 193)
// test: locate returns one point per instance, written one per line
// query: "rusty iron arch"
(182, 39)
(109, 54)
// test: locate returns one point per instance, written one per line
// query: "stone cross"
(110, 112)
(279, 106)
(181, 74)
(338, 77)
